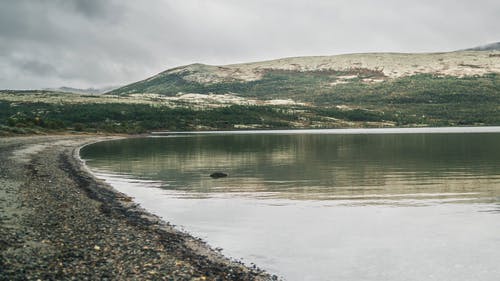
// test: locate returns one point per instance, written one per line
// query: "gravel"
(58, 222)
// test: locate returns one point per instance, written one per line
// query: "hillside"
(488, 47)
(326, 71)
(89, 91)
(357, 90)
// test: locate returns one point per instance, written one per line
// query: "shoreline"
(62, 222)
(345, 131)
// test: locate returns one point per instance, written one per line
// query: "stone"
(217, 175)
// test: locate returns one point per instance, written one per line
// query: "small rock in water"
(217, 175)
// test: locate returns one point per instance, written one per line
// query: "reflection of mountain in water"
(313, 166)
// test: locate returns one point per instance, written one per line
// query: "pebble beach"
(58, 222)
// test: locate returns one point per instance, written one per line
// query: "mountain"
(89, 91)
(357, 90)
(488, 47)
(269, 79)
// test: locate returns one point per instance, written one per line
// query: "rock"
(217, 175)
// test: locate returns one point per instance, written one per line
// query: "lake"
(367, 204)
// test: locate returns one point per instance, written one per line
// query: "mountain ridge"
(387, 65)
(90, 91)
(488, 47)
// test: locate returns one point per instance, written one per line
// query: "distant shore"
(59, 222)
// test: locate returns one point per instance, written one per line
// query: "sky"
(98, 43)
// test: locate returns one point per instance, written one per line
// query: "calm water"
(319, 205)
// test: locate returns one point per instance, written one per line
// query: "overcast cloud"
(95, 43)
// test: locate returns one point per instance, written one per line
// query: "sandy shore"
(59, 222)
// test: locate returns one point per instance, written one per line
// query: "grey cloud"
(37, 68)
(90, 8)
(92, 43)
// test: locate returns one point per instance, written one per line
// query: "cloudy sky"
(96, 43)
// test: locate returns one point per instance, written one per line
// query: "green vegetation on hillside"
(132, 118)
(274, 84)
(425, 99)
(419, 100)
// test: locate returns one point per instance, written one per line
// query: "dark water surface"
(310, 206)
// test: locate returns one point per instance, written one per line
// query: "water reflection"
(311, 166)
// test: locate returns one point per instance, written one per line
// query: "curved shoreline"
(78, 226)
(197, 245)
